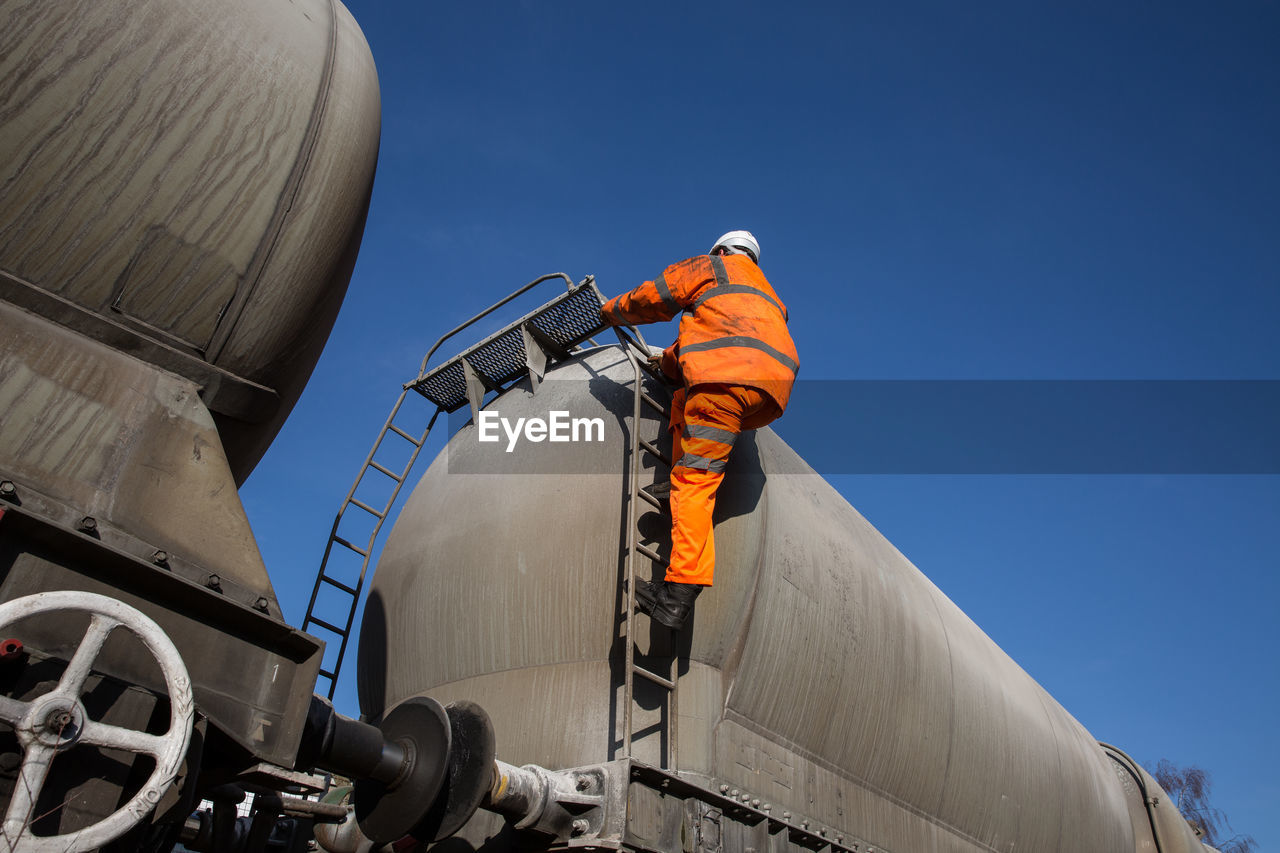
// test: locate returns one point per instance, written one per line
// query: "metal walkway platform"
(525, 347)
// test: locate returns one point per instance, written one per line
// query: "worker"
(736, 363)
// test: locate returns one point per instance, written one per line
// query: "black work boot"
(667, 603)
(646, 592)
(660, 491)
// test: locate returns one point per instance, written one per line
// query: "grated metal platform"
(504, 357)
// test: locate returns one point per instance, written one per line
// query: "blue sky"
(942, 191)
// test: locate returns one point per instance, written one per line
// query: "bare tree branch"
(1189, 788)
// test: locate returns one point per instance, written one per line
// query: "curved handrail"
(1134, 770)
(422, 371)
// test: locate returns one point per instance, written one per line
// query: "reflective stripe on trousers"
(705, 422)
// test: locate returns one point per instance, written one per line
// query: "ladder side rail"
(315, 590)
(353, 591)
(342, 509)
(368, 459)
(634, 547)
(364, 564)
(636, 344)
(636, 347)
(623, 338)
(633, 488)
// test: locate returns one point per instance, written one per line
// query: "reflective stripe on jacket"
(734, 328)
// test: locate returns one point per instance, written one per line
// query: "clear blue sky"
(1000, 190)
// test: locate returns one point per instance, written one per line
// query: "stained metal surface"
(823, 674)
(184, 188)
(255, 674)
(120, 487)
(115, 439)
(189, 183)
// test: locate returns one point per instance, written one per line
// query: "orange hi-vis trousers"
(705, 421)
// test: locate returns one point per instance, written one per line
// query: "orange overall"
(737, 362)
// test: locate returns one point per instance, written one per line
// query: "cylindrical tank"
(822, 673)
(183, 187)
(187, 182)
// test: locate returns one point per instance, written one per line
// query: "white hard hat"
(739, 243)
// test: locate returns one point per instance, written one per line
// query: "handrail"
(422, 371)
(1122, 757)
(624, 338)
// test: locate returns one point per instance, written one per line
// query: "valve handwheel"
(56, 722)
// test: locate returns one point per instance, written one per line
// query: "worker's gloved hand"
(655, 364)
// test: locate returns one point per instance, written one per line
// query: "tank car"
(825, 694)
(183, 189)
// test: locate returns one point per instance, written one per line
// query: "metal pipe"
(1147, 803)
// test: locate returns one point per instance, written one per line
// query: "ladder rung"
(654, 677)
(653, 449)
(392, 474)
(655, 404)
(415, 442)
(650, 553)
(368, 509)
(326, 674)
(339, 584)
(654, 502)
(345, 544)
(634, 345)
(323, 624)
(655, 372)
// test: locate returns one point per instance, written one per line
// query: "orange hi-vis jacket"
(734, 328)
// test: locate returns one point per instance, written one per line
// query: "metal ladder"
(552, 332)
(348, 588)
(637, 353)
